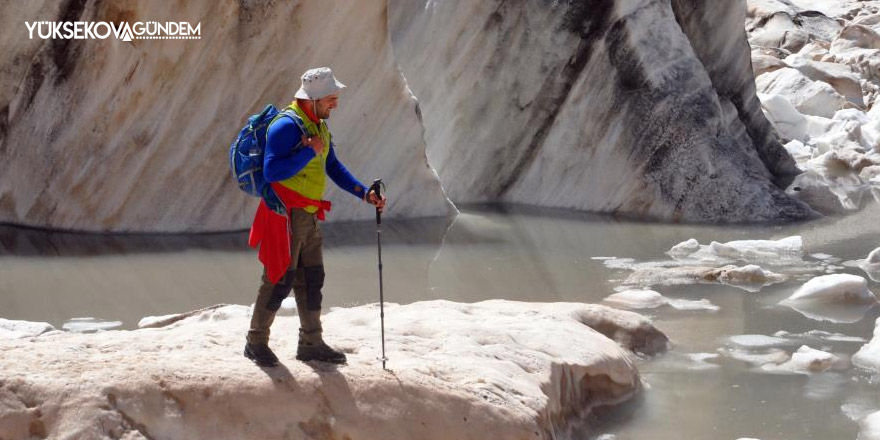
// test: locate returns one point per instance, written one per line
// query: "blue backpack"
(247, 151)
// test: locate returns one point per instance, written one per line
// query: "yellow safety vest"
(310, 181)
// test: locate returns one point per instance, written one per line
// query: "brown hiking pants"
(305, 276)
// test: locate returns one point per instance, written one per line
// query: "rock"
(762, 63)
(838, 76)
(779, 30)
(809, 97)
(789, 25)
(631, 330)
(455, 370)
(855, 36)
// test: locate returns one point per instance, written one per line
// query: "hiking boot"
(261, 354)
(319, 352)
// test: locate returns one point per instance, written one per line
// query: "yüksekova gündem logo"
(100, 30)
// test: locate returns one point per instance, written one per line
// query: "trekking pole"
(377, 184)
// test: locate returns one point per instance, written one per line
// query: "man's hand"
(372, 199)
(314, 142)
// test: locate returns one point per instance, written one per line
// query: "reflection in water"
(837, 313)
(56, 276)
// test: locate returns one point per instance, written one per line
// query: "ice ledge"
(495, 369)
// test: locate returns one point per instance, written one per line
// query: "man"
(299, 155)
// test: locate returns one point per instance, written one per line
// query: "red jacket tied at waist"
(271, 232)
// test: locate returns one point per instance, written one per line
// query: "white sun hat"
(318, 83)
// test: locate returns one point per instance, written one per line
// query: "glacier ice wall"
(107, 135)
(641, 108)
(634, 107)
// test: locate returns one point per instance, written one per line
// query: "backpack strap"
(296, 120)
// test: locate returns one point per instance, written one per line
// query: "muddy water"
(512, 253)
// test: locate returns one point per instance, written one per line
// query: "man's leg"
(268, 302)
(307, 284)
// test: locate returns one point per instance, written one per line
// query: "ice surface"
(509, 369)
(12, 329)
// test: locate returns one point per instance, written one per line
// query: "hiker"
(296, 164)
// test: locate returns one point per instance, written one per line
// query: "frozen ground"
(494, 369)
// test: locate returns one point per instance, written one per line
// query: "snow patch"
(13, 329)
(509, 369)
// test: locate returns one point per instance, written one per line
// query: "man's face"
(325, 105)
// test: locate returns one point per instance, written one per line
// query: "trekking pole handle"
(377, 188)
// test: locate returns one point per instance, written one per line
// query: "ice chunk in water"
(753, 251)
(806, 360)
(684, 248)
(13, 329)
(869, 427)
(840, 288)
(637, 299)
(649, 299)
(868, 356)
(757, 341)
(871, 265)
(89, 325)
